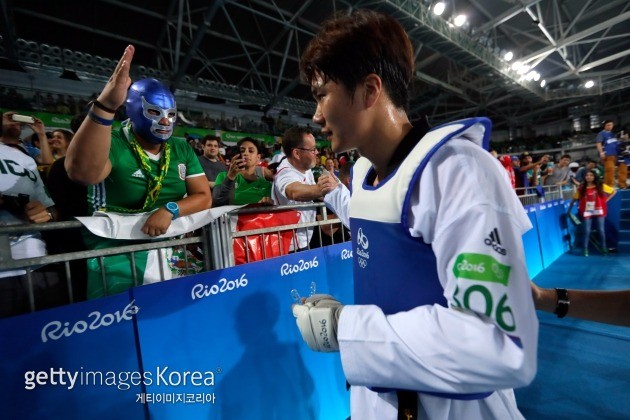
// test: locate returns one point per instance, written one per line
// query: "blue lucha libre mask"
(148, 103)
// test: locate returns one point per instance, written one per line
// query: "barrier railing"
(541, 194)
(215, 240)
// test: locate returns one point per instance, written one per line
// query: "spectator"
(593, 196)
(558, 174)
(607, 146)
(138, 168)
(506, 162)
(574, 167)
(590, 164)
(71, 201)
(427, 336)
(209, 160)
(60, 142)
(245, 182)
(38, 147)
(277, 154)
(330, 167)
(294, 182)
(529, 171)
(23, 199)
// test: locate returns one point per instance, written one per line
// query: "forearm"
(610, 307)
(302, 192)
(88, 154)
(194, 203)
(46, 157)
(429, 348)
(221, 193)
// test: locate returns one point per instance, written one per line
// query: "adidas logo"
(138, 174)
(494, 241)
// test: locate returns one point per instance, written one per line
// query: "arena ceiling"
(247, 51)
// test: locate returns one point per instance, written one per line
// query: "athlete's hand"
(115, 91)
(157, 224)
(317, 319)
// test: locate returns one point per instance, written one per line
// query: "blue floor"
(583, 367)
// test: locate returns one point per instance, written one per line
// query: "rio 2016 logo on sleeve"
(483, 268)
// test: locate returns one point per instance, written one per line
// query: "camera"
(23, 118)
(14, 204)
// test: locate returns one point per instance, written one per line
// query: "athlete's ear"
(373, 89)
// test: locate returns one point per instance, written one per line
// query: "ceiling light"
(508, 56)
(517, 65)
(536, 76)
(460, 20)
(439, 8)
(543, 82)
(589, 84)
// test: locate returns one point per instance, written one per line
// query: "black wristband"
(98, 104)
(563, 303)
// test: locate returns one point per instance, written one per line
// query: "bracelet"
(100, 105)
(99, 120)
(563, 303)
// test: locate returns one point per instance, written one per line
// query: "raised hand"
(115, 91)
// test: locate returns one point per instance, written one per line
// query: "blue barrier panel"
(531, 245)
(72, 362)
(613, 221)
(233, 330)
(222, 344)
(552, 244)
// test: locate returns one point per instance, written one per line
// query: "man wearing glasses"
(294, 182)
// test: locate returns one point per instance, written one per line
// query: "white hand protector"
(317, 320)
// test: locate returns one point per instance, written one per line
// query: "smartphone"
(23, 119)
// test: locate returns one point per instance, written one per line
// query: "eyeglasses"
(313, 150)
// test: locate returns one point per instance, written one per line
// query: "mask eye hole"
(171, 115)
(153, 112)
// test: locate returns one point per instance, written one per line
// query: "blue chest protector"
(392, 269)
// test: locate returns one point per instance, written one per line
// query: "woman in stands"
(593, 195)
(245, 182)
(59, 143)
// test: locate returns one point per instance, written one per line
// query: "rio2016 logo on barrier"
(346, 254)
(200, 291)
(55, 330)
(302, 265)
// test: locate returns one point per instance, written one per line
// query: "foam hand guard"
(317, 320)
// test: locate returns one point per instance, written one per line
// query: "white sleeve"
(338, 200)
(284, 178)
(487, 338)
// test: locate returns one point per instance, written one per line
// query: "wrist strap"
(99, 120)
(100, 105)
(563, 303)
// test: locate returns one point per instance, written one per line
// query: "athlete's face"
(338, 113)
(609, 126)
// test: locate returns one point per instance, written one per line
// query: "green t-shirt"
(126, 185)
(247, 192)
